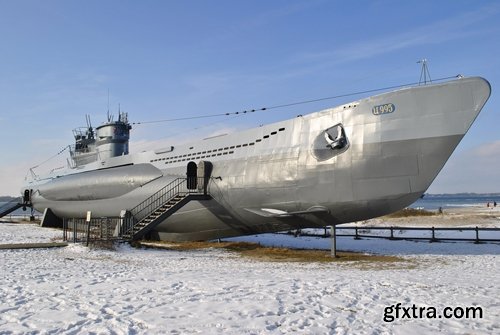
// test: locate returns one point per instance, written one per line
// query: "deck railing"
(91, 232)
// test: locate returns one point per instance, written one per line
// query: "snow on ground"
(76, 290)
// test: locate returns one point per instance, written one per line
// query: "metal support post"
(334, 241)
(88, 227)
(74, 231)
(65, 230)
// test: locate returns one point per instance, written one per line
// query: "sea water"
(435, 201)
(20, 211)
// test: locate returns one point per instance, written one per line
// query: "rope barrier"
(287, 104)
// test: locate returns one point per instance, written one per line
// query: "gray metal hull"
(392, 146)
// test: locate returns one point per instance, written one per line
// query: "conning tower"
(112, 137)
(83, 151)
(108, 140)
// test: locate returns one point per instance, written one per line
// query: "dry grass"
(258, 252)
(407, 212)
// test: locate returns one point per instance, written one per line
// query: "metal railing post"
(356, 236)
(74, 231)
(65, 223)
(433, 238)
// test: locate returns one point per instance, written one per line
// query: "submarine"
(356, 161)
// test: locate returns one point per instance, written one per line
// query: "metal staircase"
(144, 217)
(11, 206)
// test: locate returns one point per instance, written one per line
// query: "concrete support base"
(50, 220)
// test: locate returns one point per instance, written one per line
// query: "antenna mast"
(424, 73)
(110, 117)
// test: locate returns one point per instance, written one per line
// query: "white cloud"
(457, 27)
(489, 150)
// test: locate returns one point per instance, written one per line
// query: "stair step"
(152, 219)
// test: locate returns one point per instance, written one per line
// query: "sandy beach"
(453, 217)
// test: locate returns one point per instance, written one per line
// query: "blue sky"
(165, 59)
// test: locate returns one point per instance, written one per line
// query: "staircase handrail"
(177, 187)
(9, 204)
(158, 198)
